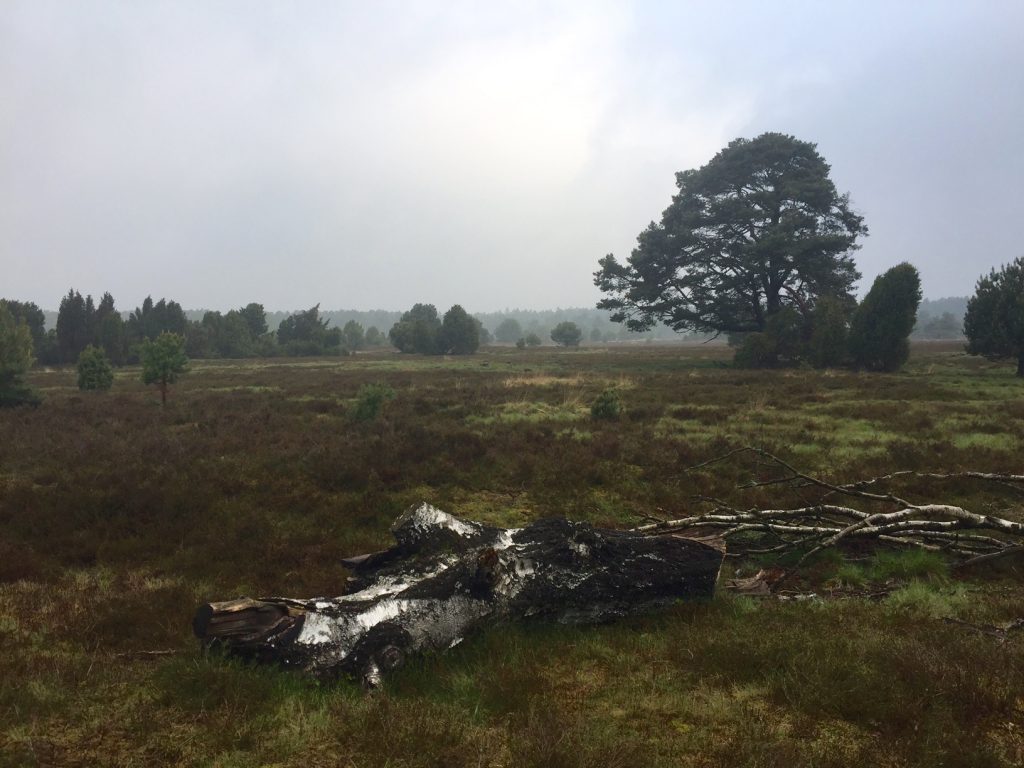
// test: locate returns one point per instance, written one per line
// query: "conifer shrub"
(881, 326)
(370, 400)
(16, 357)
(779, 345)
(829, 321)
(94, 371)
(607, 406)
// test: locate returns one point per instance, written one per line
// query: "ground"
(119, 517)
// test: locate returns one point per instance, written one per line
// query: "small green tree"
(152, 319)
(460, 334)
(163, 360)
(30, 314)
(567, 333)
(374, 338)
(15, 359)
(606, 407)
(199, 339)
(74, 325)
(306, 333)
(94, 371)
(994, 323)
(508, 330)
(353, 335)
(232, 336)
(532, 340)
(881, 325)
(485, 336)
(418, 330)
(369, 400)
(255, 318)
(108, 330)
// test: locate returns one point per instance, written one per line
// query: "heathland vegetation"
(296, 441)
(119, 517)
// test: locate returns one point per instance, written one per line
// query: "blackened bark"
(446, 577)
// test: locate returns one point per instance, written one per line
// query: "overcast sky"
(374, 154)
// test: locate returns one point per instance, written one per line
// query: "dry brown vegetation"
(118, 517)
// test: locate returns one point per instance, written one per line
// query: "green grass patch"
(532, 412)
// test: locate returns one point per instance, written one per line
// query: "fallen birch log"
(446, 577)
(881, 517)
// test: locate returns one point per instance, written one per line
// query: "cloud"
(377, 154)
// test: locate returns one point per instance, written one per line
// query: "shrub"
(882, 323)
(755, 351)
(781, 343)
(94, 371)
(508, 330)
(532, 340)
(829, 321)
(16, 354)
(460, 333)
(369, 400)
(607, 406)
(567, 333)
(418, 330)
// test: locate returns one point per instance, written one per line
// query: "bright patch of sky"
(367, 155)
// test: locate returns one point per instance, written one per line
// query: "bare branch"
(814, 527)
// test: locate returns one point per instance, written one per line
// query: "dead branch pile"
(856, 512)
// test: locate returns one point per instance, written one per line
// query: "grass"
(119, 517)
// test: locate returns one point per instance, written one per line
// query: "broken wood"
(446, 577)
(881, 517)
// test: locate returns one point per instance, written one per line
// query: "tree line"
(250, 331)
(757, 245)
(242, 332)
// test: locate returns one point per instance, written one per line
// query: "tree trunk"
(447, 577)
(163, 393)
(1020, 364)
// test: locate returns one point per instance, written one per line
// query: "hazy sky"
(374, 154)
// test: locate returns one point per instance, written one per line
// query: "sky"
(376, 154)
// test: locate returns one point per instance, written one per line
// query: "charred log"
(446, 577)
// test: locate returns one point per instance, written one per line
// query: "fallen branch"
(809, 529)
(446, 577)
(1000, 632)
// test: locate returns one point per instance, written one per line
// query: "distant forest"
(941, 318)
(936, 319)
(539, 322)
